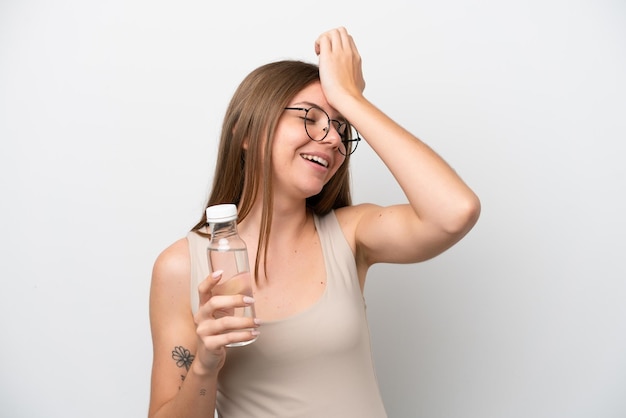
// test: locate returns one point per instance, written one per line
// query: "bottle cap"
(221, 213)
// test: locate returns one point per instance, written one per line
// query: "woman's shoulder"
(351, 215)
(173, 261)
(170, 287)
(349, 218)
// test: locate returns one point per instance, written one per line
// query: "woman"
(283, 159)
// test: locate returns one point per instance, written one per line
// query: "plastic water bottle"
(228, 252)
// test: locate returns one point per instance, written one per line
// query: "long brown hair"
(250, 120)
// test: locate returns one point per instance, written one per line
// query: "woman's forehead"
(314, 95)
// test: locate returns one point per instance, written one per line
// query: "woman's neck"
(288, 220)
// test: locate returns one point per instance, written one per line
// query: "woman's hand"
(340, 65)
(216, 327)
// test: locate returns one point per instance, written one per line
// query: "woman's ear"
(245, 144)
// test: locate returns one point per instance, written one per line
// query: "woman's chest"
(293, 282)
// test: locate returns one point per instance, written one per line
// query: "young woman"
(283, 160)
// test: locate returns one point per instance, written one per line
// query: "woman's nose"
(333, 136)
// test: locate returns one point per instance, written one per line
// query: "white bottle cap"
(221, 213)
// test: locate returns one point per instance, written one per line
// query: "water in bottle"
(228, 252)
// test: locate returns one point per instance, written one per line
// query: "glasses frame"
(345, 141)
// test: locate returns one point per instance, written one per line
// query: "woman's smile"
(316, 159)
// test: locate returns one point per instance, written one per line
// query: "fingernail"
(248, 299)
(257, 321)
(255, 332)
(217, 273)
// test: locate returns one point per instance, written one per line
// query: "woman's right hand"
(340, 65)
(215, 329)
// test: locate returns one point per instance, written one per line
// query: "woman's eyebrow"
(307, 104)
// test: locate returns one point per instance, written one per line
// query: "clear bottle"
(228, 252)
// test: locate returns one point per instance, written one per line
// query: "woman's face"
(301, 167)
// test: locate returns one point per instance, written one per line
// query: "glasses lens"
(316, 123)
(341, 128)
(349, 140)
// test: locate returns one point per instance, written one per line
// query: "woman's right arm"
(180, 387)
(189, 351)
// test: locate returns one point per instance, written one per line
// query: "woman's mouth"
(316, 159)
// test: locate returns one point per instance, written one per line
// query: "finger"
(352, 45)
(342, 37)
(330, 40)
(229, 302)
(218, 341)
(221, 303)
(227, 324)
(215, 334)
(204, 288)
(322, 44)
(339, 39)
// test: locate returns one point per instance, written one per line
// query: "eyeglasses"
(317, 125)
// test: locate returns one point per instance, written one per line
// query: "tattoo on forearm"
(183, 357)
(202, 392)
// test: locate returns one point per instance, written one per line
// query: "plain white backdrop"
(109, 119)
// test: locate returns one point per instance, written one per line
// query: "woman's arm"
(178, 388)
(441, 208)
(182, 385)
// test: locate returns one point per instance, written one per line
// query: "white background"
(109, 115)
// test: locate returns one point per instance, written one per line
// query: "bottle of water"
(228, 252)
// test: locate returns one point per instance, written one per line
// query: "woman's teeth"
(315, 159)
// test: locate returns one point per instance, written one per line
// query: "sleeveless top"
(315, 363)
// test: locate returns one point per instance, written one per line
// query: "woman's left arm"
(441, 208)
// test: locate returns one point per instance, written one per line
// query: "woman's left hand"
(340, 65)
